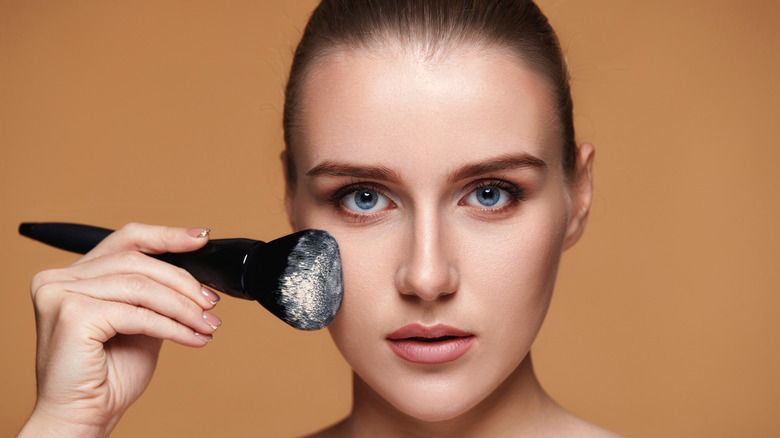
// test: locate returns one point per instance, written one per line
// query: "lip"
(430, 345)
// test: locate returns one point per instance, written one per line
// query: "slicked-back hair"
(432, 28)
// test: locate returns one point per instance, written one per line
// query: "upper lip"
(417, 330)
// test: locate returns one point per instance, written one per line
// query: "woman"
(434, 140)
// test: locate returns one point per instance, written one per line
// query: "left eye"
(365, 201)
(487, 197)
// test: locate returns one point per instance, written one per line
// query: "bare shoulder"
(564, 425)
(593, 431)
(576, 427)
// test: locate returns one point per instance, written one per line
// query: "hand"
(100, 324)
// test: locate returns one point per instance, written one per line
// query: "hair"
(433, 26)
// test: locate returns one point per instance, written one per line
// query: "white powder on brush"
(312, 285)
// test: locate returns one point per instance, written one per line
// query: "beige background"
(665, 319)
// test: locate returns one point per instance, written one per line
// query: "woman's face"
(442, 182)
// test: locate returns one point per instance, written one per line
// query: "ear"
(581, 195)
(289, 190)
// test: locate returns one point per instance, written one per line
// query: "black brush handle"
(70, 237)
(220, 264)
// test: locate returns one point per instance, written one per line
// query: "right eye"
(365, 201)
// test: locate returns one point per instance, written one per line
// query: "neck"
(518, 407)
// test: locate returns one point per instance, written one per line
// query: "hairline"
(431, 54)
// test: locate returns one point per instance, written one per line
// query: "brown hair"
(434, 26)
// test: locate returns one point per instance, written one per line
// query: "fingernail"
(203, 337)
(210, 295)
(212, 320)
(199, 232)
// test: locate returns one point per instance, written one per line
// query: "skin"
(422, 137)
(432, 132)
(101, 322)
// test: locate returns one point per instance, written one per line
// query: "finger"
(113, 318)
(74, 317)
(133, 262)
(131, 320)
(151, 239)
(140, 291)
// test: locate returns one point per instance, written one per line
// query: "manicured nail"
(206, 338)
(210, 295)
(212, 320)
(199, 232)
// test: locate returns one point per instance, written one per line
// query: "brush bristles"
(298, 278)
(311, 287)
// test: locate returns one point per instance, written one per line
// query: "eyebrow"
(504, 162)
(332, 168)
(383, 173)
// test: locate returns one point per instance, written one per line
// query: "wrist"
(45, 424)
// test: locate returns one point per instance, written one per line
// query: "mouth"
(430, 345)
(432, 340)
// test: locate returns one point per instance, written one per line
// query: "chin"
(433, 407)
(435, 415)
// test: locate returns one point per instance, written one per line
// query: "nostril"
(427, 271)
(427, 282)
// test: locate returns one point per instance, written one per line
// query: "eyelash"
(516, 194)
(337, 199)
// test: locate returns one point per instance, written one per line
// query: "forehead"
(387, 103)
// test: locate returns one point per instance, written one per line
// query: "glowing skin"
(442, 182)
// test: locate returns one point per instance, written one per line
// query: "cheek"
(367, 273)
(368, 291)
(512, 274)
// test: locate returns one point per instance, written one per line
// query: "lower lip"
(431, 353)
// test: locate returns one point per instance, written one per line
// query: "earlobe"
(581, 195)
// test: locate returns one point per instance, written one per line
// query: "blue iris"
(366, 199)
(488, 196)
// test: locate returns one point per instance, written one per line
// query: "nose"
(427, 270)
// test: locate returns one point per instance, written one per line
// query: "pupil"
(366, 200)
(488, 196)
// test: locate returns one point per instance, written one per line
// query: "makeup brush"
(296, 277)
